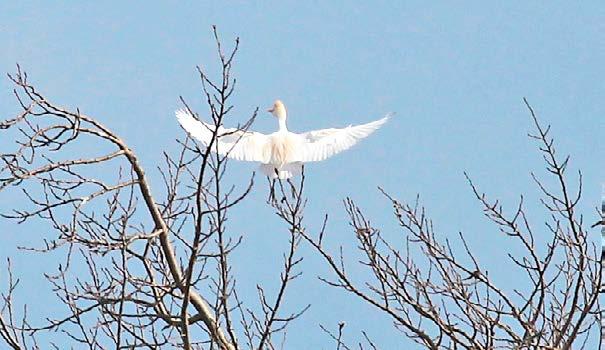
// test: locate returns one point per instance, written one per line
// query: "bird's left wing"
(322, 144)
(231, 142)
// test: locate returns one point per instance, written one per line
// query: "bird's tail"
(283, 172)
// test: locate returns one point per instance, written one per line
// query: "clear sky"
(455, 73)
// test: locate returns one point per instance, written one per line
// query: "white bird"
(281, 153)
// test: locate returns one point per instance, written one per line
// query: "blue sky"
(455, 74)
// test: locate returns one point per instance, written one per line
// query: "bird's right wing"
(321, 144)
(233, 143)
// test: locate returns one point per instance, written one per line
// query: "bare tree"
(602, 288)
(158, 269)
(445, 298)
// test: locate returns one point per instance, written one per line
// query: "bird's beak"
(270, 110)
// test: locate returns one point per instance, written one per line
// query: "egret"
(282, 153)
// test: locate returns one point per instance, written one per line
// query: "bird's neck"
(282, 124)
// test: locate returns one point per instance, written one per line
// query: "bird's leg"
(271, 198)
(292, 189)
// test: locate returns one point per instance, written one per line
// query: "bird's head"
(278, 110)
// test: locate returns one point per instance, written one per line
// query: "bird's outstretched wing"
(322, 144)
(231, 142)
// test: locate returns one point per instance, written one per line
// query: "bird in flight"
(282, 153)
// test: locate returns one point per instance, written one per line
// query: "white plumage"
(281, 153)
